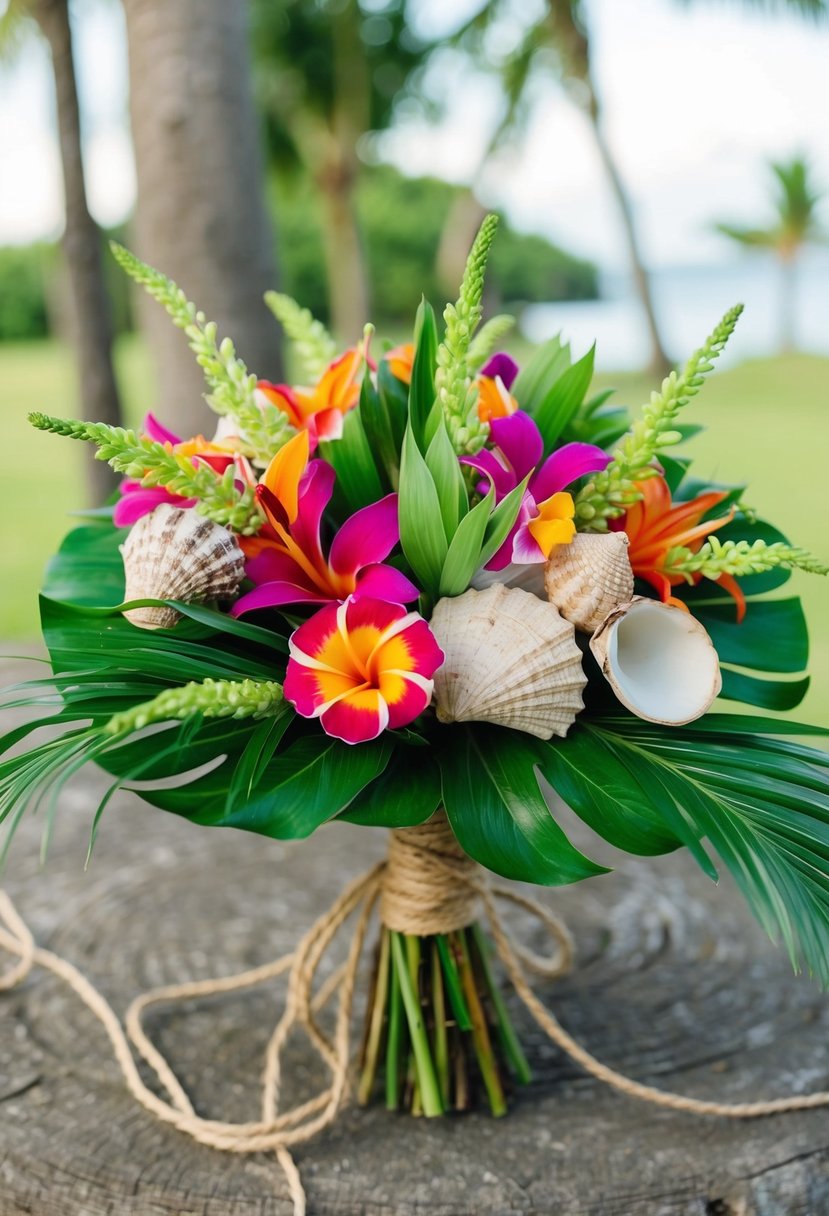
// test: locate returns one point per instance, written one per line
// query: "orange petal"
(283, 474)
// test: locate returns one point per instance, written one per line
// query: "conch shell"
(590, 577)
(174, 553)
(510, 659)
(659, 661)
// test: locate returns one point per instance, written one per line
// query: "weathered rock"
(674, 985)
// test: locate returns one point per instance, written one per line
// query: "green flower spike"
(263, 427)
(211, 698)
(739, 558)
(154, 464)
(608, 493)
(312, 343)
(453, 378)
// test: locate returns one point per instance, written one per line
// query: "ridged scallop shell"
(510, 659)
(589, 577)
(174, 553)
(659, 661)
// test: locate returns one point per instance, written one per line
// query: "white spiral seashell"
(511, 659)
(173, 553)
(588, 578)
(659, 661)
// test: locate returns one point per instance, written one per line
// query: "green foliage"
(607, 493)
(796, 204)
(156, 464)
(23, 278)
(401, 221)
(488, 339)
(312, 344)
(263, 427)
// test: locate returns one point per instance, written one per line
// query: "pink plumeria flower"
(362, 667)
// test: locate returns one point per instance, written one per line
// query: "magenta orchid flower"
(361, 667)
(137, 500)
(546, 515)
(286, 556)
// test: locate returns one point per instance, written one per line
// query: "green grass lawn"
(767, 423)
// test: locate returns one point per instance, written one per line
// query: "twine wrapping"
(423, 865)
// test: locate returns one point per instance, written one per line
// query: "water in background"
(689, 301)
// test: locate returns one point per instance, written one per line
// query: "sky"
(697, 98)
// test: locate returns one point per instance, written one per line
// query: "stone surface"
(674, 985)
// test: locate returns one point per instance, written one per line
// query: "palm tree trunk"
(788, 298)
(200, 214)
(658, 363)
(345, 263)
(92, 316)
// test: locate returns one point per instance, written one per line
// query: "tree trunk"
(788, 296)
(345, 263)
(659, 363)
(200, 215)
(92, 316)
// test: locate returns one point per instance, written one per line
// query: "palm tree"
(200, 213)
(794, 225)
(82, 244)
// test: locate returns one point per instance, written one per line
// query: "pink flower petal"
(370, 613)
(565, 466)
(156, 431)
(525, 548)
(406, 699)
(493, 470)
(328, 424)
(520, 440)
(503, 365)
(312, 635)
(272, 566)
(357, 718)
(274, 595)
(385, 583)
(139, 501)
(315, 489)
(367, 537)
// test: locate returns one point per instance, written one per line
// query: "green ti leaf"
(157, 464)
(262, 426)
(422, 534)
(312, 343)
(453, 379)
(607, 493)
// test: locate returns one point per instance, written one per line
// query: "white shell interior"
(663, 663)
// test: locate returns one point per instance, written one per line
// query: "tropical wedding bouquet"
(419, 592)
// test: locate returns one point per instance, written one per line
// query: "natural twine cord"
(425, 873)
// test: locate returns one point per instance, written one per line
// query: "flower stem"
(506, 1032)
(376, 1023)
(480, 1033)
(394, 1041)
(453, 984)
(430, 1093)
(441, 1038)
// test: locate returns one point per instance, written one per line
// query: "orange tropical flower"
(401, 361)
(654, 526)
(320, 410)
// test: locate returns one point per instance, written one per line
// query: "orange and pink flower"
(361, 667)
(320, 410)
(286, 557)
(137, 500)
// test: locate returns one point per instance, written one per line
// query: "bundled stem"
(437, 1026)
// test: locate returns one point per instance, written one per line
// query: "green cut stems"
(437, 1026)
